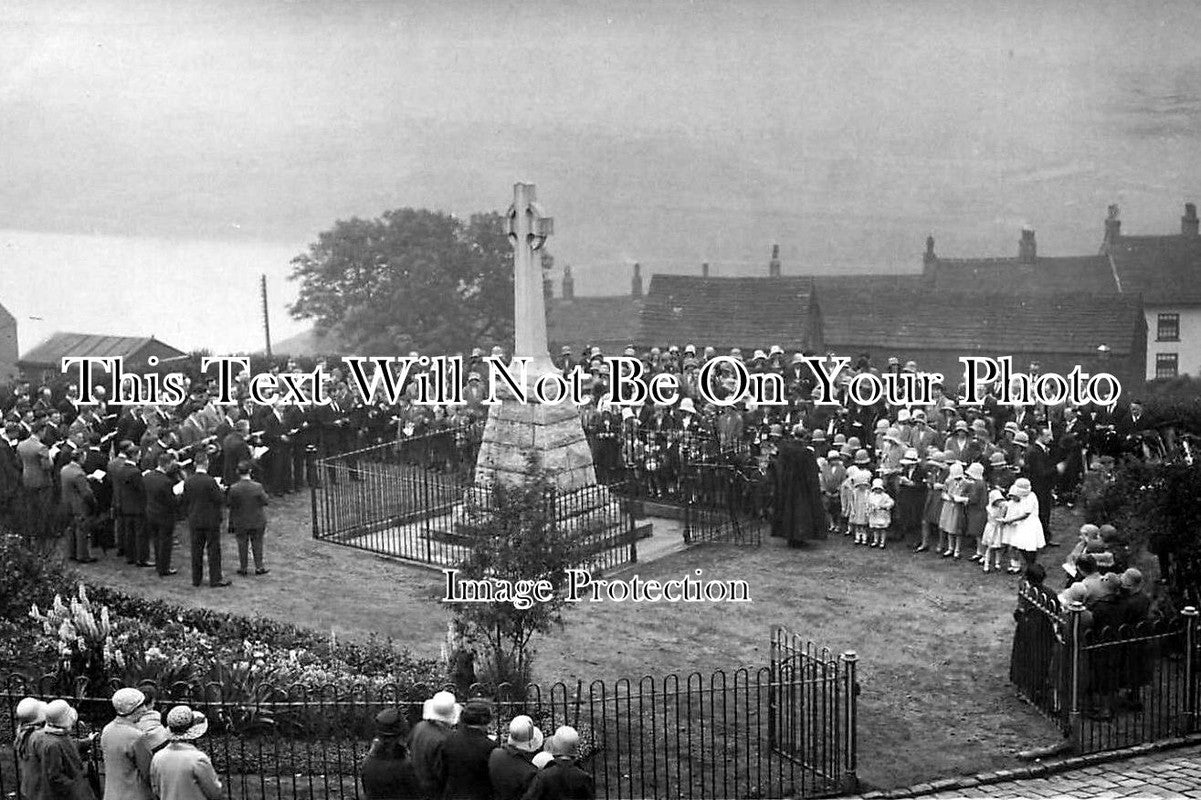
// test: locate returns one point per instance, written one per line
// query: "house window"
(1167, 365)
(1168, 328)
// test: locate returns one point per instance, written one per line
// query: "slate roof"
(60, 345)
(1166, 270)
(731, 312)
(923, 318)
(592, 320)
(1091, 274)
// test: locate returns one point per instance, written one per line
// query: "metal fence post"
(850, 776)
(688, 512)
(1075, 612)
(632, 528)
(1190, 668)
(310, 461)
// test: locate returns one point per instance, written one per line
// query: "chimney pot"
(705, 269)
(929, 258)
(568, 284)
(773, 267)
(1113, 225)
(1189, 222)
(1027, 249)
(636, 281)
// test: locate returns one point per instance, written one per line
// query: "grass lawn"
(933, 637)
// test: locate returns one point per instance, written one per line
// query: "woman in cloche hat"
(181, 771)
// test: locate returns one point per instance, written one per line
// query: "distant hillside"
(308, 343)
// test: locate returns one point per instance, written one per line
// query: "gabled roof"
(1090, 274)
(742, 312)
(994, 323)
(1166, 270)
(589, 320)
(61, 345)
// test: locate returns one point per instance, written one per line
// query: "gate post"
(850, 776)
(773, 682)
(1190, 668)
(1075, 613)
(310, 465)
(688, 510)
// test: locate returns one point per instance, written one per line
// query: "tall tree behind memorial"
(409, 280)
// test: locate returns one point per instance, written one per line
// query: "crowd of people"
(121, 474)
(448, 755)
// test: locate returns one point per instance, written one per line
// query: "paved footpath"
(1168, 773)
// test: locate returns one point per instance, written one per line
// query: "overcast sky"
(159, 155)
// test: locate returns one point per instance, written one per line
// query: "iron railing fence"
(1107, 688)
(778, 731)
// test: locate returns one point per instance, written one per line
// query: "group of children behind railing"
(942, 500)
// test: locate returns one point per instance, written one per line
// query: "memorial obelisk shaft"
(515, 431)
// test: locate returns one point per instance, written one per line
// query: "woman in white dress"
(1025, 530)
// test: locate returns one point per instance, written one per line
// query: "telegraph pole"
(266, 319)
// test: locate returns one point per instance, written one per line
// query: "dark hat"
(390, 723)
(476, 712)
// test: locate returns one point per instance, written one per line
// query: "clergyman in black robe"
(799, 512)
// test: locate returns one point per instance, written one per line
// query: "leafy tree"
(410, 280)
(515, 536)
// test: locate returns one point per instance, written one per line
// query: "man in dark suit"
(466, 752)
(1043, 472)
(77, 496)
(10, 475)
(93, 460)
(276, 461)
(160, 512)
(125, 526)
(247, 517)
(131, 425)
(203, 502)
(235, 450)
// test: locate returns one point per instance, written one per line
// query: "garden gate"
(723, 503)
(812, 710)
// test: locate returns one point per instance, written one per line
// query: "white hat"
(524, 735)
(687, 406)
(186, 724)
(565, 742)
(442, 707)
(31, 711)
(540, 760)
(59, 714)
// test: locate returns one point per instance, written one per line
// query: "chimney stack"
(1027, 252)
(705, 269)
(568, 284)
(929, 259)
(1113, 225)
(1188, 223)
(773, 266)
(636, 282)
(548, 288)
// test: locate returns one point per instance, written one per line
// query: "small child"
(846, 493)
(833, 475)
(950, 521)
(990, 540)
(859, 497)
(879, 513)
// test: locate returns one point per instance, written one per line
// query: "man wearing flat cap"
(466, 753)
(123, 775)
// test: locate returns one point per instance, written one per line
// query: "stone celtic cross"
(528, 228)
